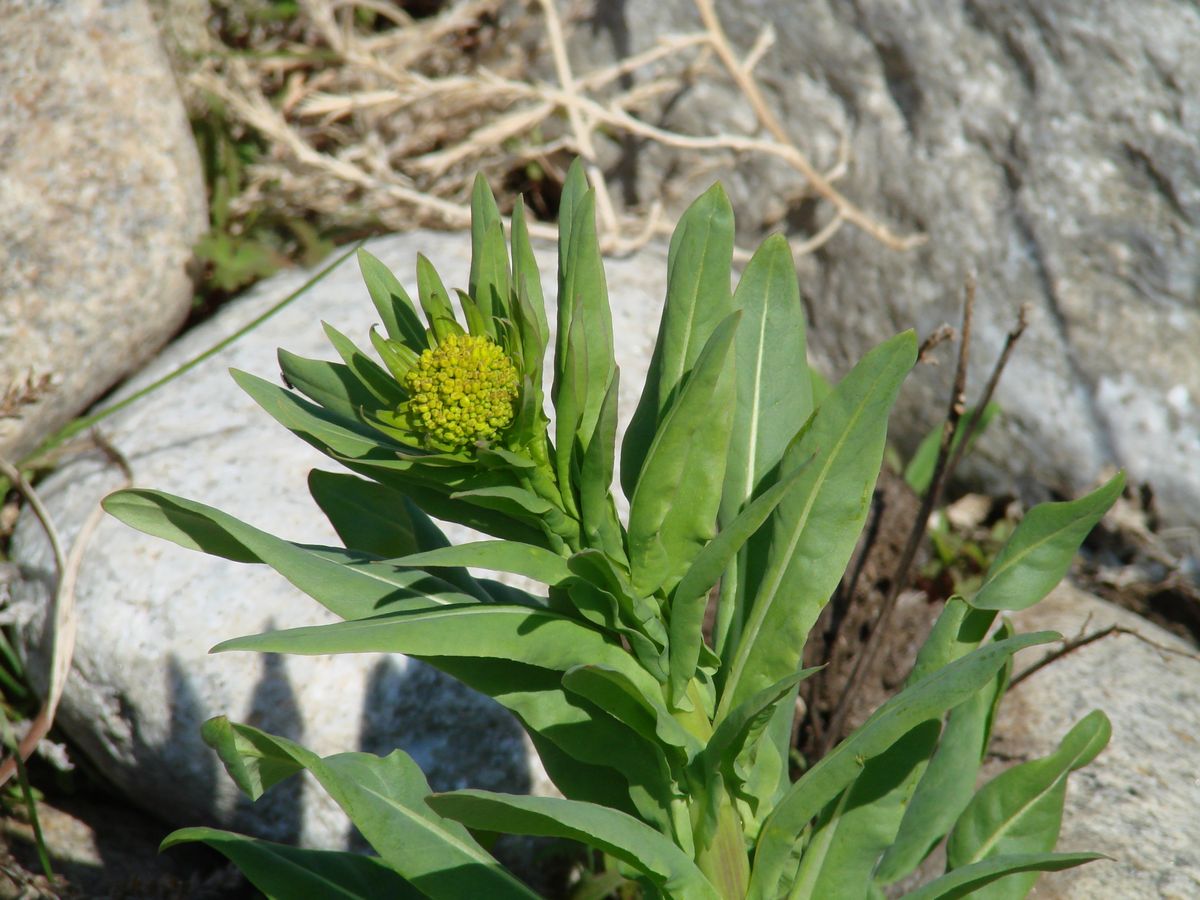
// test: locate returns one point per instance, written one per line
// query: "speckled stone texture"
(1051, 146)
(101, 200)
(143, 683)
(1137, 801)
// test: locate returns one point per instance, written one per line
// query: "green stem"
(724, 861)
(78, 425)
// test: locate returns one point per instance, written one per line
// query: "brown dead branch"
(393, 127)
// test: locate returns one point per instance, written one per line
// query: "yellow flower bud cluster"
(462, 391)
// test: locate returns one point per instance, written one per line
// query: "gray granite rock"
(1053, 147)
(101, 200)
(1137, 801)
(142, 683)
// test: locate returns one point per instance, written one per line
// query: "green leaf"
(386, 799)
(331, 434)
(398, 358)
(859, 825)
(1020, 810)
(279, 870)
(527, 282)
(919, 471)
(477, 323)
(435, 300)
(673, 511)
(372, 517)
(616, 833)
(948, 783)
(499, 556)
(774, 391)
(815, 529)
(601, 527)
(588, 754)
(535, 637)
(927, 699)
(738, 728)
(489, 280)
(690, 599)
(583, 364)
(774, 400)
(351, 585)
(966, 881)
(428, 490)
(374, 378)
(1040, 551)
(575, 187)
(698, 300)
(337, 389)
(394, 305)
(620, 698)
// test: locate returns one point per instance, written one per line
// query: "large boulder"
(1051, 147)
(101, 200)
(143, 682)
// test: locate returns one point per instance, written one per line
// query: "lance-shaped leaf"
(338, 390)
(488, 631)
(1020, 810)
(927, 699)
(815, 529)
(527, 282)
(616, 833)
(372, 376)
(499, 556)
(280, 870)
(690, 597)
(601, 527)
(435, 300)
(386, 799)
(588, 753)
(330, 433)
(698, 300)
(430, 488)
(398, 358)
(349, 584)
(620, 698)
(948, 782)
(1040, 551)
(395, 307)
(583, 365)
(489, 280)
(740, 727)
(673, 512)
(857, 827)
(966, 881)
(575, 187)
(774, 391)
(372, 517)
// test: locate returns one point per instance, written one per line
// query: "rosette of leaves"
(748, 484)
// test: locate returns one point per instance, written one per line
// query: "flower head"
(462, 391)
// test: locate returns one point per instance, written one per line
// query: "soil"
(100, 847)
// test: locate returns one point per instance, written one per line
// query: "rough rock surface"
(1052, 147)
(148, 611)
(101, 200)
(1137, 801)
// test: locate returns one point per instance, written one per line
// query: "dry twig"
(62, 634)
(392, 131)
(1083, 640)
